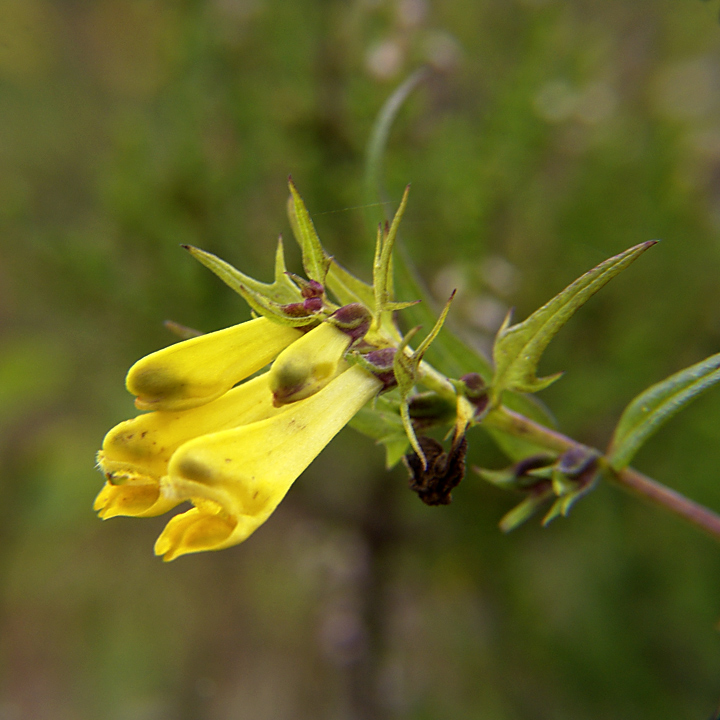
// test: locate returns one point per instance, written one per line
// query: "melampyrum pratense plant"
(230, 436)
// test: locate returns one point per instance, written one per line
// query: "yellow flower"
(236, 478)
(199, 370)
(307, 365)
(135, 453)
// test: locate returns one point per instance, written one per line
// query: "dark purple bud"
(532, 462)
(353, 320)
(380, 363)
(476, 391)
(313, 304)
(524, 477)
(312, 289)
(297, 309)
(579, 464)
(308, 288)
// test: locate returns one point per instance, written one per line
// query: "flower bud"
(309, 364)
(353, 319)
(476, 392)
(380, 363)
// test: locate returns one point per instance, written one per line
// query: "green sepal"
(574, 475)
(406, 370)
(524, 510)
(506, 478)
(383, 263)
(314, 258)
(565, 502)
(656, 405)
(265, 299)
(349, 289)
(518, 348)
(282, 290)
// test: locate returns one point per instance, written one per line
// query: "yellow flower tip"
(130, 500)
(157, 386)
(200, 530)
(292, 381)
(199, 370)
(308, 365)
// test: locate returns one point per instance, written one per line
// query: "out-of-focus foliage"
(549, 135)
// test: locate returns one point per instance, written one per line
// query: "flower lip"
(196, 371)
(137, 452)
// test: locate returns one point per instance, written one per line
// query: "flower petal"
(135, 500)
(196, 371)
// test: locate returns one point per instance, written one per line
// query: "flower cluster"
(231, 439)
(232, 450)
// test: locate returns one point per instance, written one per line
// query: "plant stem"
(640, 485)
(659, 494)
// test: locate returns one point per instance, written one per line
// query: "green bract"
(518, 348)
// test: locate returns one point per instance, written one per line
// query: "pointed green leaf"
(265, 299)
(315, 261)
(518, 348)
(405, 371)
(283, 290)
(654, 407)
(506, 478)
(524, 511)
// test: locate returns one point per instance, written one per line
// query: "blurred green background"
(549, 135)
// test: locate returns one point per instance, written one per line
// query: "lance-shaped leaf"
(656, 405)
(518, 348)
(282, 290)
(315, 261)
(267, 299)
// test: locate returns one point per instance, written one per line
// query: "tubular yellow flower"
(199, 370)
(307, 365)
(310, 363)
(236, 478)
(135, 453)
